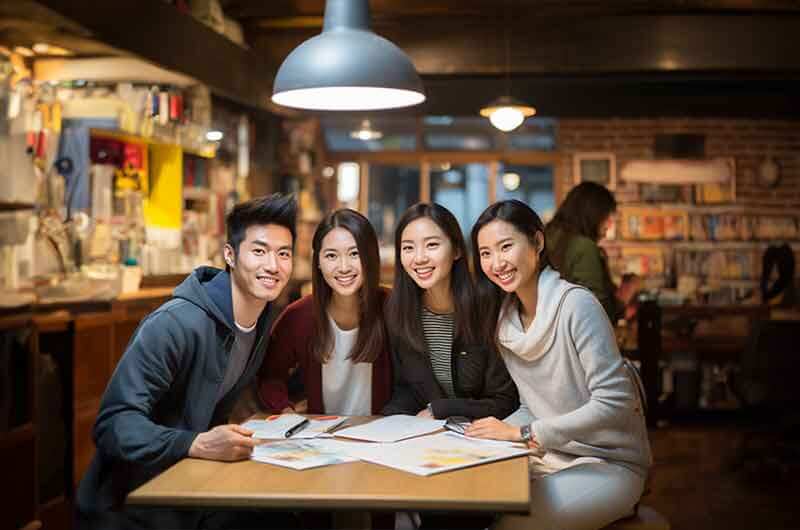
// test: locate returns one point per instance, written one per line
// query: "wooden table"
(496, 487)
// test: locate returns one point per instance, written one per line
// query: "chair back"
(771, 365)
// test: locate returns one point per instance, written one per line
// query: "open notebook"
(275, 427)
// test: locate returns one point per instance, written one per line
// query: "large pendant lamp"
(507, 113)
(347, 67)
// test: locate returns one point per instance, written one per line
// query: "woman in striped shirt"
(441, 367)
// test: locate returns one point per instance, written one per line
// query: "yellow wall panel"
(164, 206)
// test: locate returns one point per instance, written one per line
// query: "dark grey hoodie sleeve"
(124, 428)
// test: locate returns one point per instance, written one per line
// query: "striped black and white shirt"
(439, 330)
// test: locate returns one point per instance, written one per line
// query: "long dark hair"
(490, 297)
(586, 206)
(404, 307)
(371, 332)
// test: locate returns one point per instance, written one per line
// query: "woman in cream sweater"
(580, 409)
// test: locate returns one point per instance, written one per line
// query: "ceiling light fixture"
(505, 112)
(366, 132)
(347, 67)
(511, 181)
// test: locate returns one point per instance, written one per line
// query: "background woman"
(580, 408)
(336, 337)
(441, 367)
(580, 222)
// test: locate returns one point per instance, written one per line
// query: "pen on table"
(297, 428)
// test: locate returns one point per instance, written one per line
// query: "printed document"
(302, 454)
(391, 428)
(437, 453)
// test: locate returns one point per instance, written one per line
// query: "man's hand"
(224, 442)
(493, 429)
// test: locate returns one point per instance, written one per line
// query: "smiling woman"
(579, 404)
(336, 336)
(442, 368)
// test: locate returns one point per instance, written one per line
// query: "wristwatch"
(525, 433)
(429, 408)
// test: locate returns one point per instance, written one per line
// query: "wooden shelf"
(26, 431)
(692, 245)
(133, 138)
(196, 193)
(205, 153)
(714, 208)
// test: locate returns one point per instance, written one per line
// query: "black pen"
(297, 428)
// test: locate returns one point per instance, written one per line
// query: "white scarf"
(540, 335)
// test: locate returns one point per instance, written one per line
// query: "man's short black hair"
(278, 209)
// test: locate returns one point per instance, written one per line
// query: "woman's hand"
(425, 413)
(493, 429)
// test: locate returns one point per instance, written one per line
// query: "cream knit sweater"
(579, 398)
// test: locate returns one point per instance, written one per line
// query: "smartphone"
(457, 424)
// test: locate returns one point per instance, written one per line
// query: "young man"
(173, 390)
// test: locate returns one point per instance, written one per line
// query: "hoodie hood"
(534, 342)
(210, 289)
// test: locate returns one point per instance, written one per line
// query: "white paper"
(429, 455)
(302, 454)
(275, 427)
(319, 427)
(391, 428)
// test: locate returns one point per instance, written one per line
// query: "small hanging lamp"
(507, 113)
(347, 67)
(366, 132)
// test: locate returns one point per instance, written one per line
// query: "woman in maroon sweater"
(336, 337)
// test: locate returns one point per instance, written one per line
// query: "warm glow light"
(507, 113)
(366, 132)
(25, 52)
(214, 136)
(348, 182)
(42, 48)
(506, 118)
(348, 98)
(511, 181)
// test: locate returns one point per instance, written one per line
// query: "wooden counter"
(85, 340)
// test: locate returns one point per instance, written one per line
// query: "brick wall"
(746, 141)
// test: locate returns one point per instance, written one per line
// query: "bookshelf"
(703, 247)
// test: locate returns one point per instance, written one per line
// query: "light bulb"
(348, 98)
(366, 132)
(507, 118)
(511, 181)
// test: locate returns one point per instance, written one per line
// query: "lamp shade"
(347, 67)
(507, 113)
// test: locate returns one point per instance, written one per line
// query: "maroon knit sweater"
(289, 346)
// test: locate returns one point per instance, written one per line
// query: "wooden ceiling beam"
(254, 9)
(592, 45)
(158, 32)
